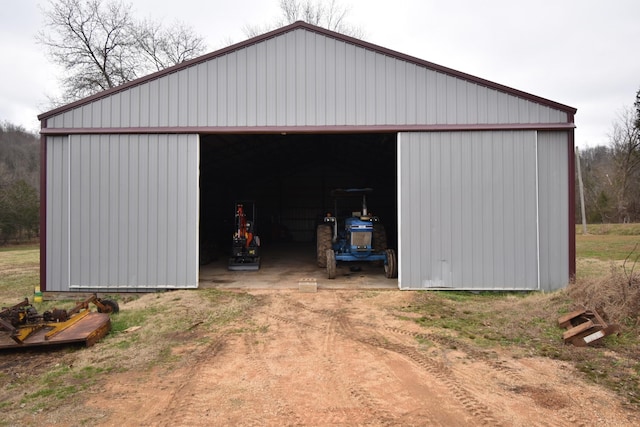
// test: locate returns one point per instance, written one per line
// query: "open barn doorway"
(289, 177)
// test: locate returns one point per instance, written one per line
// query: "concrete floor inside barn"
(286, 266)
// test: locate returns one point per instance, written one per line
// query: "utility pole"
(582, 210)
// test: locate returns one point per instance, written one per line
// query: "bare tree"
(100, 45)
(92, 43)
(612, 173)
(596, 168)
(165, 47)
(327, 14)
(625, 146)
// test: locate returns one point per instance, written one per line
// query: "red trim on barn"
(572, 203)
(306, 129)
(43, 208)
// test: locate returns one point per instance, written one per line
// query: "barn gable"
(302, 76)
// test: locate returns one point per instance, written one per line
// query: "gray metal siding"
(554, 209)
(467, 210)
(122, 212)
(302, 78)
(57, 224)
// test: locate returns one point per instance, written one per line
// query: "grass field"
(19, 272)
(606, 246)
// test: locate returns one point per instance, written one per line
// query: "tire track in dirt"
(362, 407)
(439, 370)
(307, 346)
(341, 327)
(444, 375)
(194, 390)
(183, 396)
(198, 400)
(479, 411)
(338, 325)
(500, 366)
(349, 332)
(497, 366)
(322, 337)
(451, 342)
(260, 364)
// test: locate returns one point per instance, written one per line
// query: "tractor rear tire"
(379, 238)
(323, 243)
(391, 267)
(331, 263)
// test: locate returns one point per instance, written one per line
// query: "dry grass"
(608, 276)
(616, 297)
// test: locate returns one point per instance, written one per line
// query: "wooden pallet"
(584, 327)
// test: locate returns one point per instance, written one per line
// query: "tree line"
(19, 184)
(611, 174)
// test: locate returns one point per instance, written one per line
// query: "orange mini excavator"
(246, 244)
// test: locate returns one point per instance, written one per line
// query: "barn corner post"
(572, 201)
(43, 207)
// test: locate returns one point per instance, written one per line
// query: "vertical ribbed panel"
(57, 213)
(554, 209)
(123, 212)
(467, 210)
(302, 78)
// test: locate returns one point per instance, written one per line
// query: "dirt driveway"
(349, 358)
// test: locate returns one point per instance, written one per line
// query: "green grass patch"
(18, 248)
(611, 229)
(61, 384)
(60, 392)
(19, 273)
(608, 247)
(126, 319)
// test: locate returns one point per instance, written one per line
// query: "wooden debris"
(585, 327)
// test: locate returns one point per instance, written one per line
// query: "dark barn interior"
(289, 177)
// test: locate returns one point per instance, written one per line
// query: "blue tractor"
(361, 237)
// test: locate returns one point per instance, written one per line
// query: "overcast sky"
(582, 53)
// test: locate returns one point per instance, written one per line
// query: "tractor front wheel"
(331, 264)
(391, 266)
